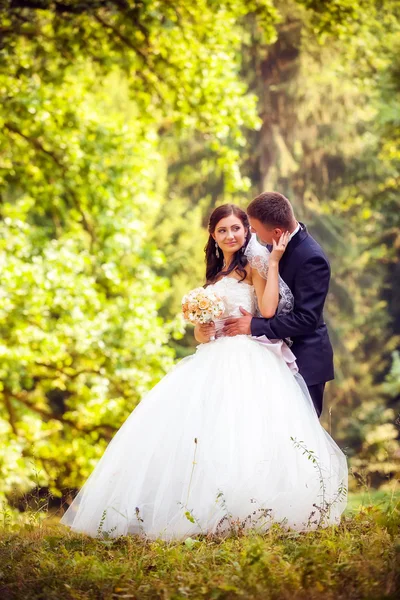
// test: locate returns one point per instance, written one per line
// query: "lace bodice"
(234, 294)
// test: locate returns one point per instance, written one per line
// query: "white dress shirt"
(291, 236)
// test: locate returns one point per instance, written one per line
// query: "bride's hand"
(203, 332)
(279, 247)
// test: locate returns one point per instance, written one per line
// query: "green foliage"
(75, 259)
(392, 383)
(98, 98)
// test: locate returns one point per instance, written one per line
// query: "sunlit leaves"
(93, 96)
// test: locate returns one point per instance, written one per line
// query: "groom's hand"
(239, 326)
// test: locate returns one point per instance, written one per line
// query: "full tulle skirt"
(228, 438)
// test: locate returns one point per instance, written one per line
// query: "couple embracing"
(230, 436)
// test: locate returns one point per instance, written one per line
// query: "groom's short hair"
(272, 209)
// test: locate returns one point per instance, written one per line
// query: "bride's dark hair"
(214, 264)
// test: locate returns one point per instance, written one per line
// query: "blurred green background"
(123, 124)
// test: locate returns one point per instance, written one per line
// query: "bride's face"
(230, 234)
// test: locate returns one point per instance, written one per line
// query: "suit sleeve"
(311, 288)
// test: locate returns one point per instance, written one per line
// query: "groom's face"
(264, 233)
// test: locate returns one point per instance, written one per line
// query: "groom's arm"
(311, 288)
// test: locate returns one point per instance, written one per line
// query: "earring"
(216, 250)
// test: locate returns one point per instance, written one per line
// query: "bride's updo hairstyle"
(214, 263)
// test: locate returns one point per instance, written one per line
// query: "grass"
(368, 497)
(360, 559)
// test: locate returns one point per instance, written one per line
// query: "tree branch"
(57, 161)
(35, 143)
(60, 7)
(21, 397)
(70, 376)
(121, 36)
(11, 412)
(140, 52)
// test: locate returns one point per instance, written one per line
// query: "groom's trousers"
(317, 395)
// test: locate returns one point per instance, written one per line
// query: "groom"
(305, 269)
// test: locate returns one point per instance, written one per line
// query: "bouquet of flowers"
(201, 306)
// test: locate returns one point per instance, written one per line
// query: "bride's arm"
(267, 291)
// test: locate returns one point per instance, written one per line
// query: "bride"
(229, 438)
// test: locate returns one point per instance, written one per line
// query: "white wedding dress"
(229, 436)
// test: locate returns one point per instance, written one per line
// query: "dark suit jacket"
(305, 269)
